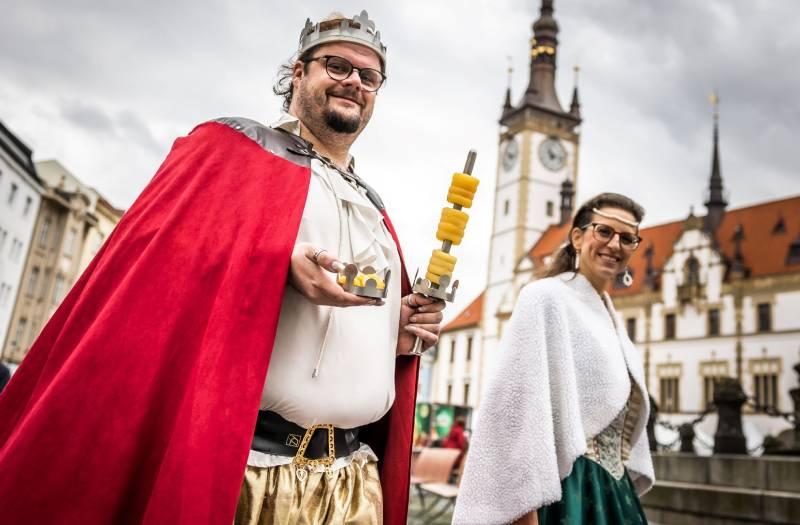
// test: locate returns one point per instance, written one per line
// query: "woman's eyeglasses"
(604, 233)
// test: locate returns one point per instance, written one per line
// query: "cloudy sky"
(106, 86)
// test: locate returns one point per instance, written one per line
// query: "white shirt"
(355, 385)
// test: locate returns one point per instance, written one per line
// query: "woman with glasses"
(560, 436)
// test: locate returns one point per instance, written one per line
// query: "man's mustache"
(349, 95)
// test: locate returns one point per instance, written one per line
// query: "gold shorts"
(275, 496)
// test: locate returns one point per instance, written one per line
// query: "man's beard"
(342, 123)
(315, 109)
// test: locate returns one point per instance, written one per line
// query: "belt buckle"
(302, 464)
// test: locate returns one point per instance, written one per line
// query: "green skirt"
(591, 496)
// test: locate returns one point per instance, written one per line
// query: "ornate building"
(20, 190)
(714, 295)
(72, 223)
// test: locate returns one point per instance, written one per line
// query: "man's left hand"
(419, 317)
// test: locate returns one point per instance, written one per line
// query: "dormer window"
(793, 257)
(691, 272)
(691, 290)
(780, 227)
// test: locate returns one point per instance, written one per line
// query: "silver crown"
(358, 30)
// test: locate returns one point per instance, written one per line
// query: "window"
(630, 326)
(12, 194)
(3, 236)
(765, 382)
(550, 208)
(5, 292)
(27, 208)
(20, 332)
(669, 375)
(691, 272)
(33, 282)
(793, 257)
(69, 248)
(449, 394)
(669, 326)
(505, 207)
(709, 383)
(669, 395)
(711, 372)
(452, 351)
(45, 231)
(469, 349)
(58, 289)
(466, 392)
(16, 250)
(713, 321)
(764, 317)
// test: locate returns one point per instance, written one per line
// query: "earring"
(577, 260)
(627, 278)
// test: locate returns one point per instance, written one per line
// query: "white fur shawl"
(561, 377)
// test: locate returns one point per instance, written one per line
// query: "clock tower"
(538, 153)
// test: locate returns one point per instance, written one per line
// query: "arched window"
(691, 272)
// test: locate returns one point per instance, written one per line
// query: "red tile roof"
(662, 238)
(469, 316)
(552, 238)
(764, 250)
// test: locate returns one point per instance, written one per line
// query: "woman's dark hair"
(564, 258)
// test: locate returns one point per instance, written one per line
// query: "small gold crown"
(365, 282)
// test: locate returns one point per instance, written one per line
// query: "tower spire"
(715, 198)
(542, 84)
(507, 104)
(575, 105)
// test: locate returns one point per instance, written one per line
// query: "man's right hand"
(312, 277)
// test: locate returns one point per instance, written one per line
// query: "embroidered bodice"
(612, 447)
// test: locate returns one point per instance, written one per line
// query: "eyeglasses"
(339, 69)
(604, 233)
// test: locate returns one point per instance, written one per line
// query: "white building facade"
(722, 306)
(20, 198)
(454, 369)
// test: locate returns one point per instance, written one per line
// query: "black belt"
(275, 435)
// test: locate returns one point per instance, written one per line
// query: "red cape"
(138, 401)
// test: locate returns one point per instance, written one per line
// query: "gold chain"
(302, 462)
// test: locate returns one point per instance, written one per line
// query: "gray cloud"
(88, 117)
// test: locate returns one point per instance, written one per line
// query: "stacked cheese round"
(452, 224)
(462, 190)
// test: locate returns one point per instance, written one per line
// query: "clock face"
(510, 154)
(552, 154)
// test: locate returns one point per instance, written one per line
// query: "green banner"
(442, 420)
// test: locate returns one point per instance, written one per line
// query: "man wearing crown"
(181, 360)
